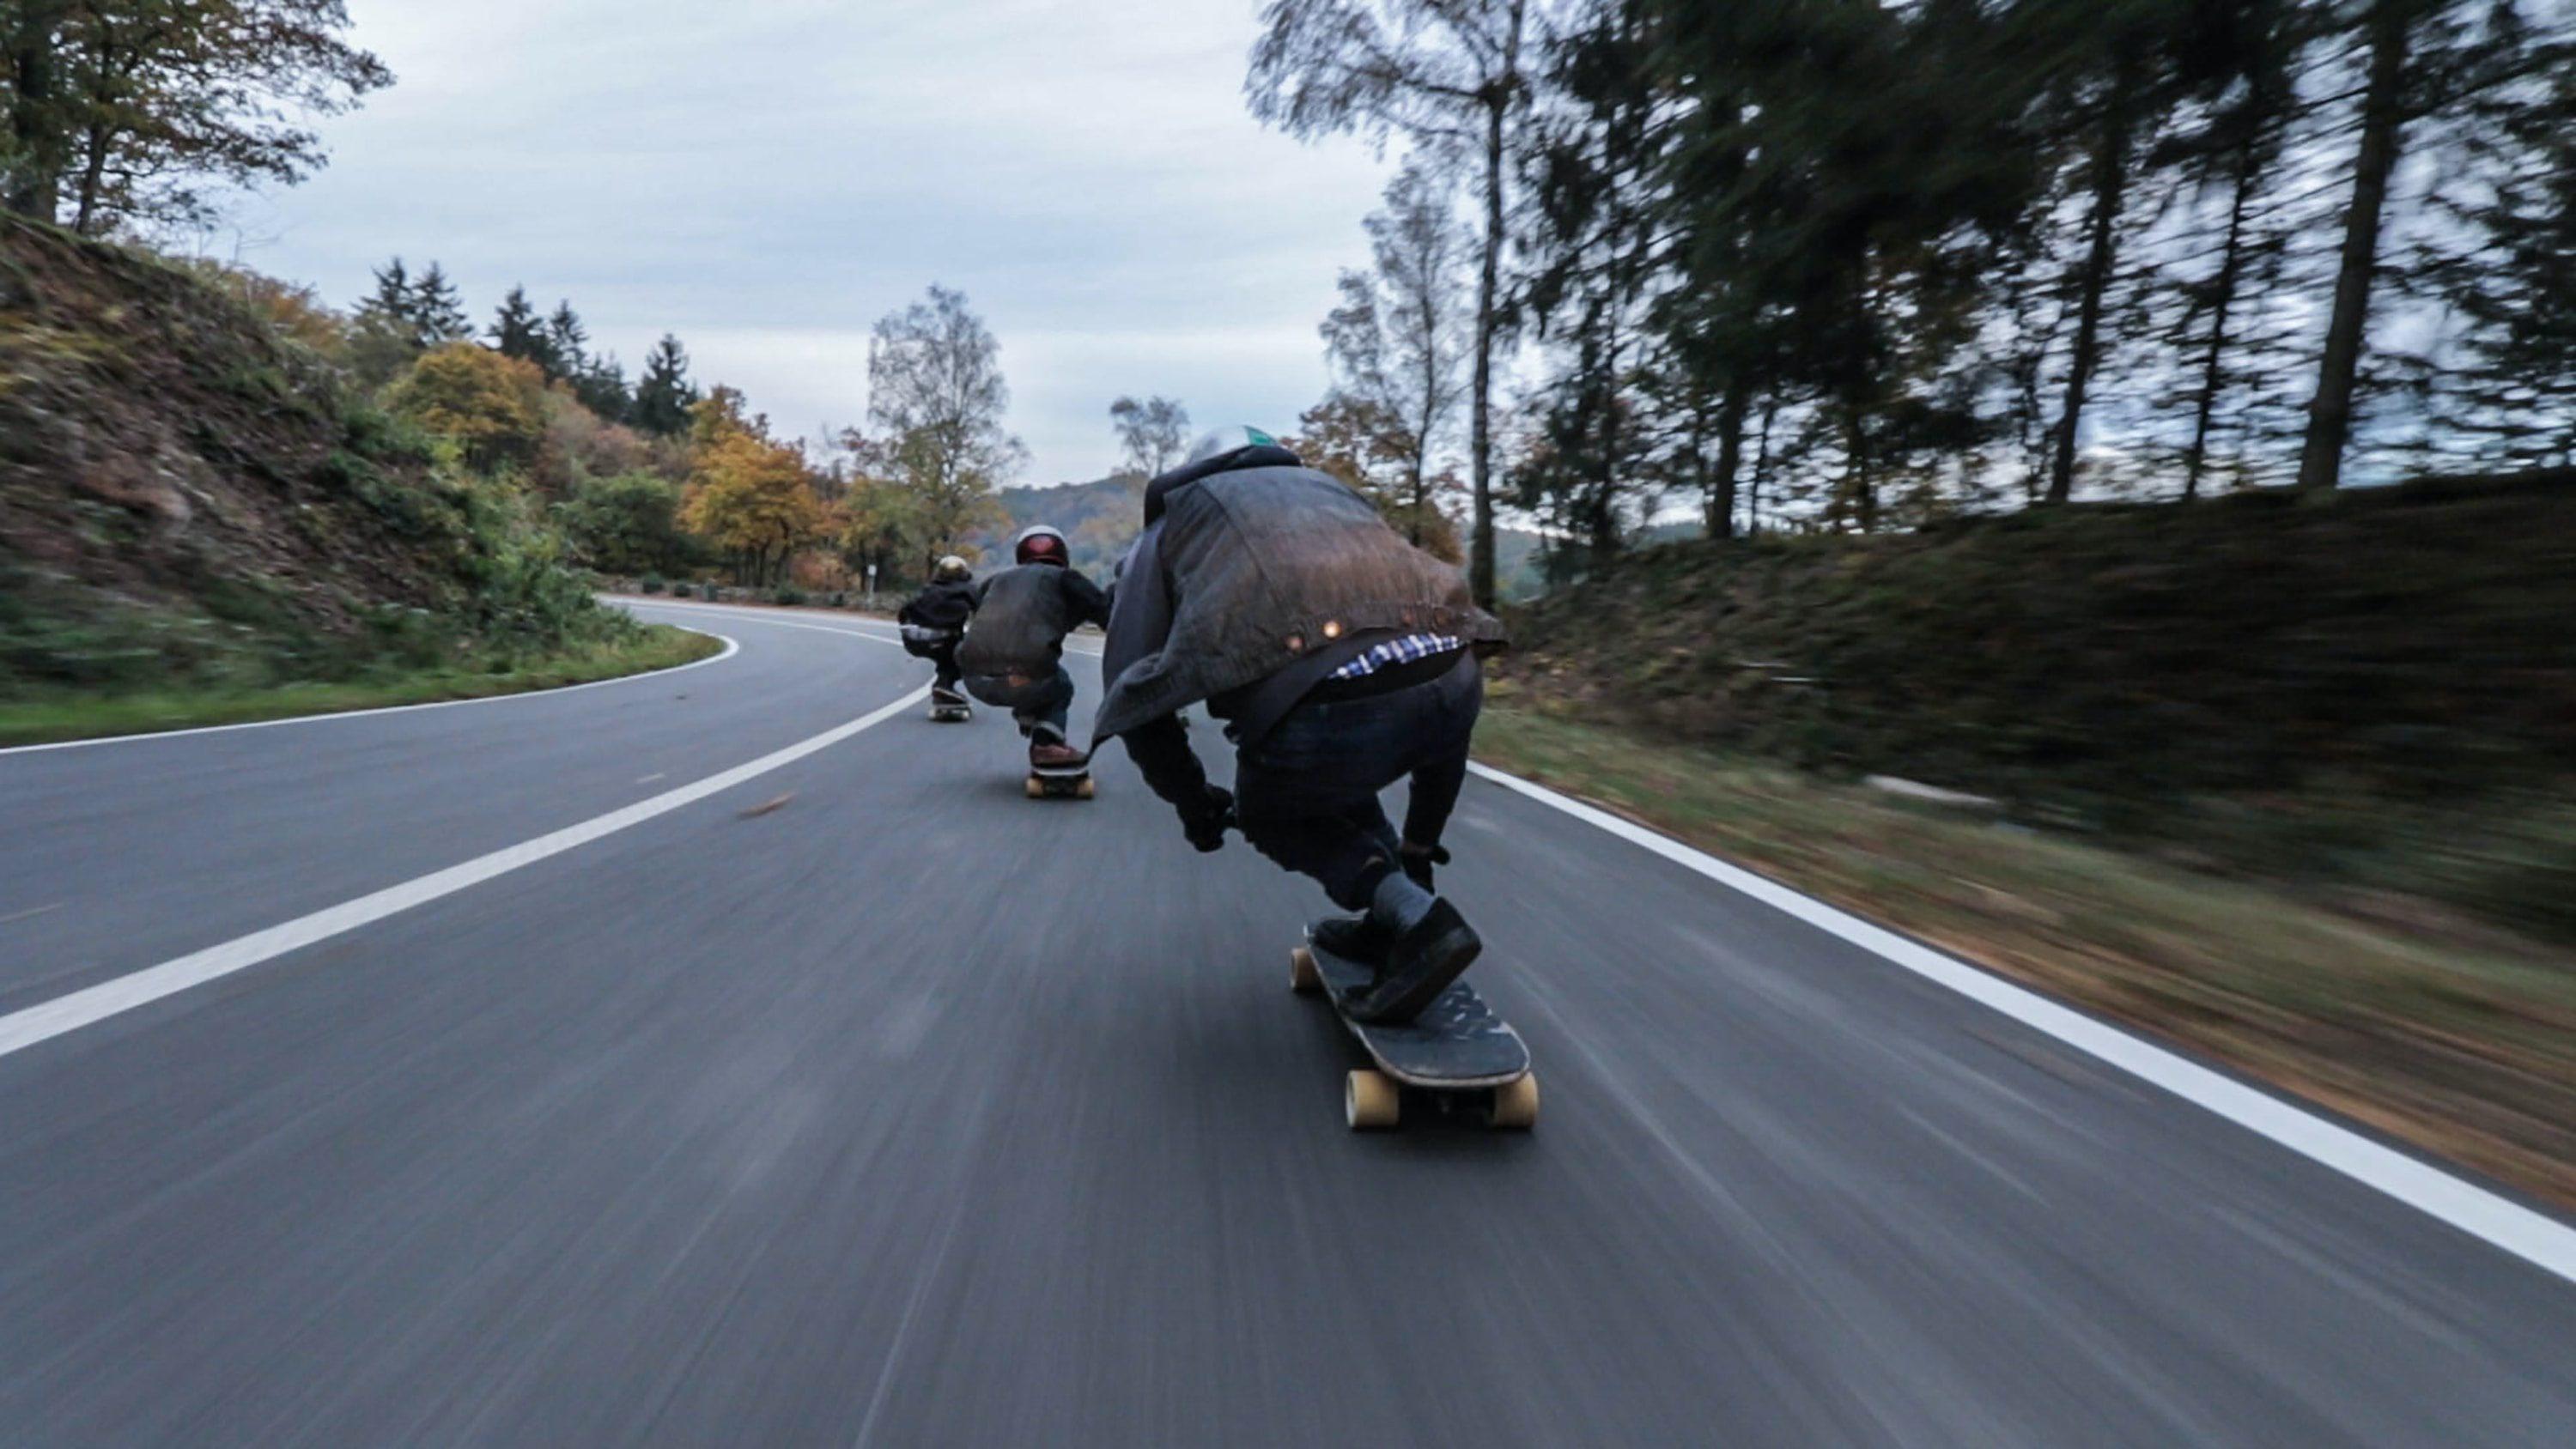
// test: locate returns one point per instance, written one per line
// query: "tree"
(1403, 330)
(664, 395)
(936, 393)
(127, 109)
(1367, 446)
(2424, 58)
(517, 331)
(438, 311)
(754, 499)
(492, 407)
(1152, 433)
(1447, 75)
(565, 342)
(626, 524)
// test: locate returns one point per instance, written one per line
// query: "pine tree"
(517, 331)
(565, 339)
(438, 312)
(664, 394)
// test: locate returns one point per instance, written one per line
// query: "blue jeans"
(1040, 700)
(1306, 795)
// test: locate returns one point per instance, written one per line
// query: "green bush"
(789, 595)
(681, 591)
(652, 584)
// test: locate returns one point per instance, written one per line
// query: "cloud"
(766, 178)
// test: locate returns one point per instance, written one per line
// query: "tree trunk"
(2110, 190)
(2214, 357)
(2330, 413)
(1761, 464)
(93, 173)
(1480, 553)
(1730, 456)
(35, 125)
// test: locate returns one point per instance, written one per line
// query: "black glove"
(1207, 824)
(1418, 860)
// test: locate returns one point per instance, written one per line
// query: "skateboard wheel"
(1083, 790)
(1515, 1104)
(1037, 788)
(1370, 1101)
(1303, 978)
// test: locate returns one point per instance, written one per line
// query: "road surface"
(912, 1111)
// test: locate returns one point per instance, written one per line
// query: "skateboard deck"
(1070, 783)
(951, 713)
(1457, 1048)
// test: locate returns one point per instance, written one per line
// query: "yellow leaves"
(752, 495)
(492, 406)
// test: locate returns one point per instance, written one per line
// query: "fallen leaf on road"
(765, 806)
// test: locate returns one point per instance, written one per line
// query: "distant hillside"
(186, 498)
(2374, 687)
(1100, 517)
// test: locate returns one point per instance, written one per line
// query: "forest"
(1845, 265)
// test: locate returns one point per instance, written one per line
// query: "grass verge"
(2432, 1029)
(74, 717)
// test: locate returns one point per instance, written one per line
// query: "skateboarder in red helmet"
(1340, 658)
(1014, 656)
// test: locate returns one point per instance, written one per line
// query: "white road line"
(20, 1030)
(761, 616)
(721, 655)
(2533, 1237)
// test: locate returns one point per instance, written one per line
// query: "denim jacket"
(1250, 563)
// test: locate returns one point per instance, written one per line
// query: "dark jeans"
(1306, 795)
(943, 658)
(1041, 700)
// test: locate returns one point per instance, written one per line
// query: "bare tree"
(935, 390)
(1153, 432)
(1448, 76)
(1403, 329)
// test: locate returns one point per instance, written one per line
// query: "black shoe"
(1419, 966)
(1357, 938)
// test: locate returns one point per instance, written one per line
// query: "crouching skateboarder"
(1342, 660)
(933, 622)
(1014, 657)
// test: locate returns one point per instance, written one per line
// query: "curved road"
(503, 1073)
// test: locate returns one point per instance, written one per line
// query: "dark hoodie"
(940, 606)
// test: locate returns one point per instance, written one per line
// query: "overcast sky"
(768, 177)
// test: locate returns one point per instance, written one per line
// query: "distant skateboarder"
(1014, 657)
(1342, 660)
(934, 623)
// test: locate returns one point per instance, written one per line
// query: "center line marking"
(46, 1020)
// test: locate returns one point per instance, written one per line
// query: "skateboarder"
(1342, 660)
(1013, 659)
(933, 623)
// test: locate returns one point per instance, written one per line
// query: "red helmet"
(1041, 544)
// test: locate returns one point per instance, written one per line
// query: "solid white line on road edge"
(46, 1020)
(767, 616)
(2533, 1237)
(760, 616)
(721, 655)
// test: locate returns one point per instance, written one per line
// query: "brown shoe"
(1054, 755)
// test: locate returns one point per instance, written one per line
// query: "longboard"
(950, 711)
(1073, 782)
(1457, 1049)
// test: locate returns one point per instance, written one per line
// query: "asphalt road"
(912, 1111)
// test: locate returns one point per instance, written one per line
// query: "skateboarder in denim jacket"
(1341, 658)
(1014, 656)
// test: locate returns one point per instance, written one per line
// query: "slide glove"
(1206, 825)
(1418, 860)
